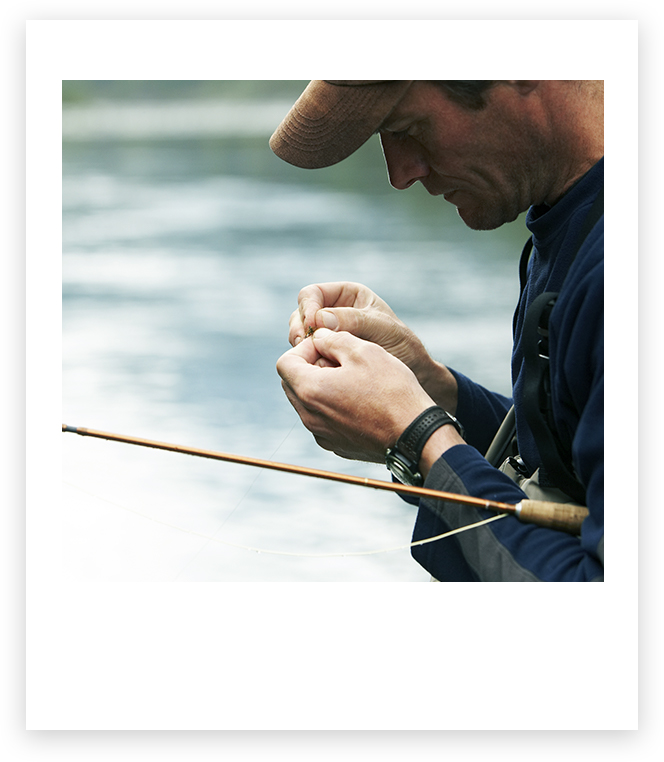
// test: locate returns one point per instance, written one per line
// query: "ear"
(524, 86)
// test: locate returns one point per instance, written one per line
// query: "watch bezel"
(403, 468)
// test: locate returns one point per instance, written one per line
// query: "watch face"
(405, 471)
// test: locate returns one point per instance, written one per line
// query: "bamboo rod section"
(564, 517)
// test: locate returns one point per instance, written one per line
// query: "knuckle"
(307, 293)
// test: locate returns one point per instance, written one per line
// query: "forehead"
(422, 99)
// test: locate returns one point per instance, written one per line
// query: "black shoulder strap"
(523, 278)
(537, 406)
(556, 460)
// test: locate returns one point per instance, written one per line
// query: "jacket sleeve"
(503, 551)
(480, 411)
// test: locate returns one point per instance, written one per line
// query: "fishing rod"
(564, 517)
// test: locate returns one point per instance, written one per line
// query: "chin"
(484, 218)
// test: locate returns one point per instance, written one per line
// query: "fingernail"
(297, 340)
(330, 320)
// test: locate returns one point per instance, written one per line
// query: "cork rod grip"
(562, 516)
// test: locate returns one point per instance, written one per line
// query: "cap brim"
(330, 121)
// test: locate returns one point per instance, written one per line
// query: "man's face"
(487, 163)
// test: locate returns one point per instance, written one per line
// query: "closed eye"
(411, 128)
(396, 134)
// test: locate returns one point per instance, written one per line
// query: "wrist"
(405, 458)
(436, 446)
(438, 382)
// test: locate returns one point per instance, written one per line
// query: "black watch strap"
(413, 439)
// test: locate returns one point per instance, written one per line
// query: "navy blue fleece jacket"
(508, 550)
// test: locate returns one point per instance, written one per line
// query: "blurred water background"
(185, 243)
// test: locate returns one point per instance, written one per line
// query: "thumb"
(342, 319)
(377, 327)
(337, 346)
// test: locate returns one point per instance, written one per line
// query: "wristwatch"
(403, 460)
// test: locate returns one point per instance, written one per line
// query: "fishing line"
(258, 476)
(237, 505)
(289, 553)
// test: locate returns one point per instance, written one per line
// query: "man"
(363, 383)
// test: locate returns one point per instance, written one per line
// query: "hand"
(354, 308)
(354, 396)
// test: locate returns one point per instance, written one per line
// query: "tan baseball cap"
(333, 118)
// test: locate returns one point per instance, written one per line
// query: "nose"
(405, 160)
